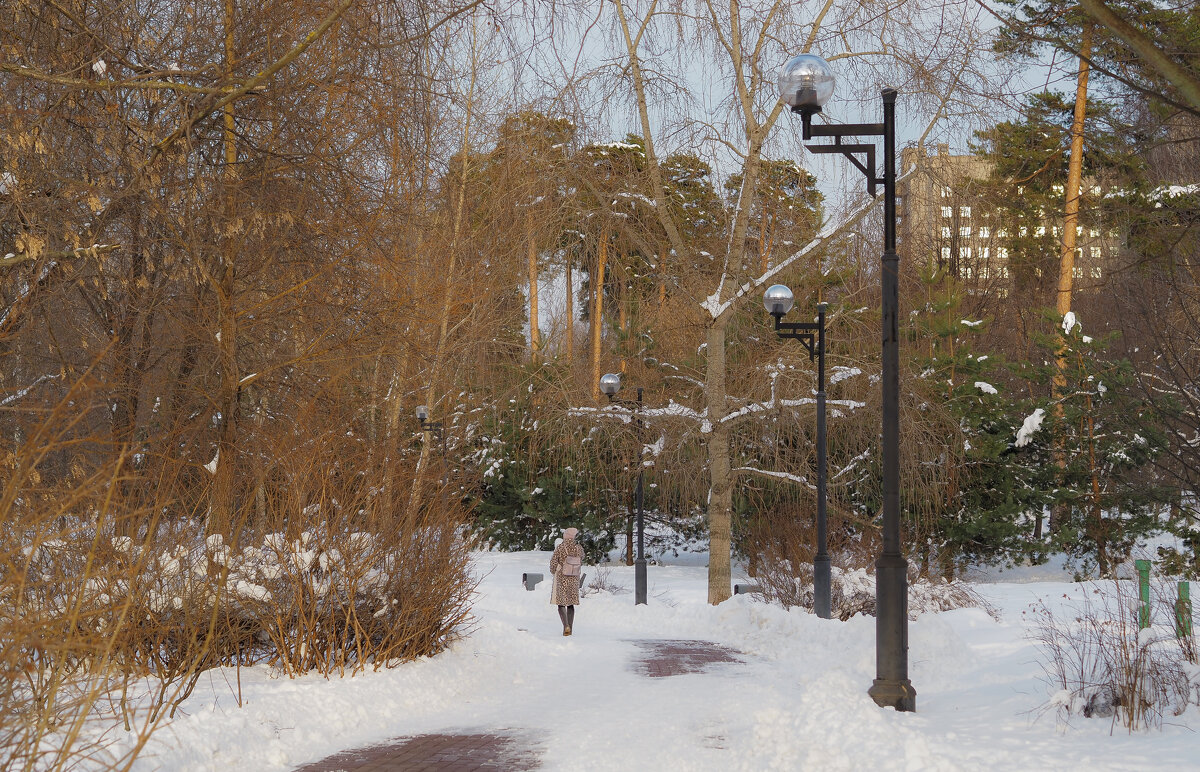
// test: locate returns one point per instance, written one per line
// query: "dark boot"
(562, 614)
(570, 619)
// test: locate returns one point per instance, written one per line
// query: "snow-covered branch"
(626, 414)
(11, 398)
(713, 305)
(777, 475)
(759, 407)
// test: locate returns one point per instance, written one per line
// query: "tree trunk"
(623, 317)
(221, 508)
(534, 338)
(598, 310)
(1066, 263)
(570, 319)
(720, 501)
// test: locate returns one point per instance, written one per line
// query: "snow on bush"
(1099, 664)
(853, 591)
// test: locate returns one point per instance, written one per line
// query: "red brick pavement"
(512, 752)
(662, 658)
(441, 752)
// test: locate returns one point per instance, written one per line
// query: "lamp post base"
(891, 686)
(639, 582)
(894, 694)
(822, 587)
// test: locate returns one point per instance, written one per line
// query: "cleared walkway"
(511, 749)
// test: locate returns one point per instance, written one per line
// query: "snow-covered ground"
(799, 700)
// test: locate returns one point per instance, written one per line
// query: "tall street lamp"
(806, 83)
(779, 300)
(610, 384)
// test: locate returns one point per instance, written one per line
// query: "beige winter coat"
(565, 589)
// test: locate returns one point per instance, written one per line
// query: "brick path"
(672, 657)
(442, 752)
(512, 752)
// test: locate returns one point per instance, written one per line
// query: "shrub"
(853, 590)
(1102, 665)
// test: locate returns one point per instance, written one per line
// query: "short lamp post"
(805, 83)
(610, 384)
(779, 300)
(434, 428)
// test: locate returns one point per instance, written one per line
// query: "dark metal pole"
(822, 575)
(891, 686)
(639, 566)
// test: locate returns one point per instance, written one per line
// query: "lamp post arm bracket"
(868, 168)
(847, 130)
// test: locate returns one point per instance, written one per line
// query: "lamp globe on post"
(610, 384)
(778, 299)
(422, 413)
(805, 83)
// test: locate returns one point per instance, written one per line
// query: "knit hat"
(570, 533)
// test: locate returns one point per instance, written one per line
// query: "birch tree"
(749, 41)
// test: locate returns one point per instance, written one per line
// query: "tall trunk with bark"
(597, 311)
(127, 368)
(570, 333)
(1066, 263)
(534, 337)
(720, 493)
(221, 513)
(623, 315)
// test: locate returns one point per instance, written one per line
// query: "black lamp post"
(779, 299)
(434, 427)
(610, 384)
(806, 83)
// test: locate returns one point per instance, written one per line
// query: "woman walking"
(566, 564)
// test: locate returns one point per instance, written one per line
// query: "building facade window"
(947, 212)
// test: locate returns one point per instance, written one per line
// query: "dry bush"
(1103, 666)
(784, 571)
(60, 642)
(853, 590)
(602, 581)
(109, 616)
